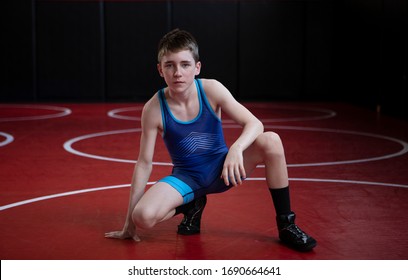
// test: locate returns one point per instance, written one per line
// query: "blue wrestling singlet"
(197, 149)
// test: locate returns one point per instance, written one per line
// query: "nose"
(177, 71)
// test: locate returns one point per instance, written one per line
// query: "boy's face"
(179, 69)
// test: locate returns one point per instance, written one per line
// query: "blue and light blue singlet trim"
(184, 189)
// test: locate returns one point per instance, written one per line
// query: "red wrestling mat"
(65, 171)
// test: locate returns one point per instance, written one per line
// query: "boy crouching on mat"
(187, 114)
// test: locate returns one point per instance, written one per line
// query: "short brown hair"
(177, 40)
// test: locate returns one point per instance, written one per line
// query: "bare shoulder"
(216, 91)
(219, 95)
(151, 114)
(152, 104)
(212, 85)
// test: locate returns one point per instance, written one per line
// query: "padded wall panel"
(271, 49)
(214, 25)
(69, 51)
(133, 30)
(17, 52)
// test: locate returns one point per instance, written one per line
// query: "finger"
(136, 238)
(224, 176)
(242, 172)
(232, 176)
(111, 235)
(115, 234)
(238, 176)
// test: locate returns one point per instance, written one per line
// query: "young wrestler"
(187, 114)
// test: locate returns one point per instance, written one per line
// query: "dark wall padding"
(345, 50)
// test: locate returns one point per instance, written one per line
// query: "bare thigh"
(267, 149)
(157, 204)
(252, 157)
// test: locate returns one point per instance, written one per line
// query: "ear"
(159, 68)
(198, 68)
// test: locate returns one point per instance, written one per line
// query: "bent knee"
(144, 218)
(270, 140)
(271, 136)
(271, 144)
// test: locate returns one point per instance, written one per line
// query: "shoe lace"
(294, 229)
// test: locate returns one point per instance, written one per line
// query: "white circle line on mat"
(62, 112)
(327, 113)
(52, 196)
(8, 140)
(68, 145)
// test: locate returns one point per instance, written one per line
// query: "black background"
(335, 50)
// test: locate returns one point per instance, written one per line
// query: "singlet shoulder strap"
(203, 97)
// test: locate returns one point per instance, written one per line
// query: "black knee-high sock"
(281, 200)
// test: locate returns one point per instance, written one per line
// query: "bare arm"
(142, 170)
(221, 98)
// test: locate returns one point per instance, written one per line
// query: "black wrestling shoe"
(292, 235)
(192, 217)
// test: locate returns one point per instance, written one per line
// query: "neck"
(182, 96)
